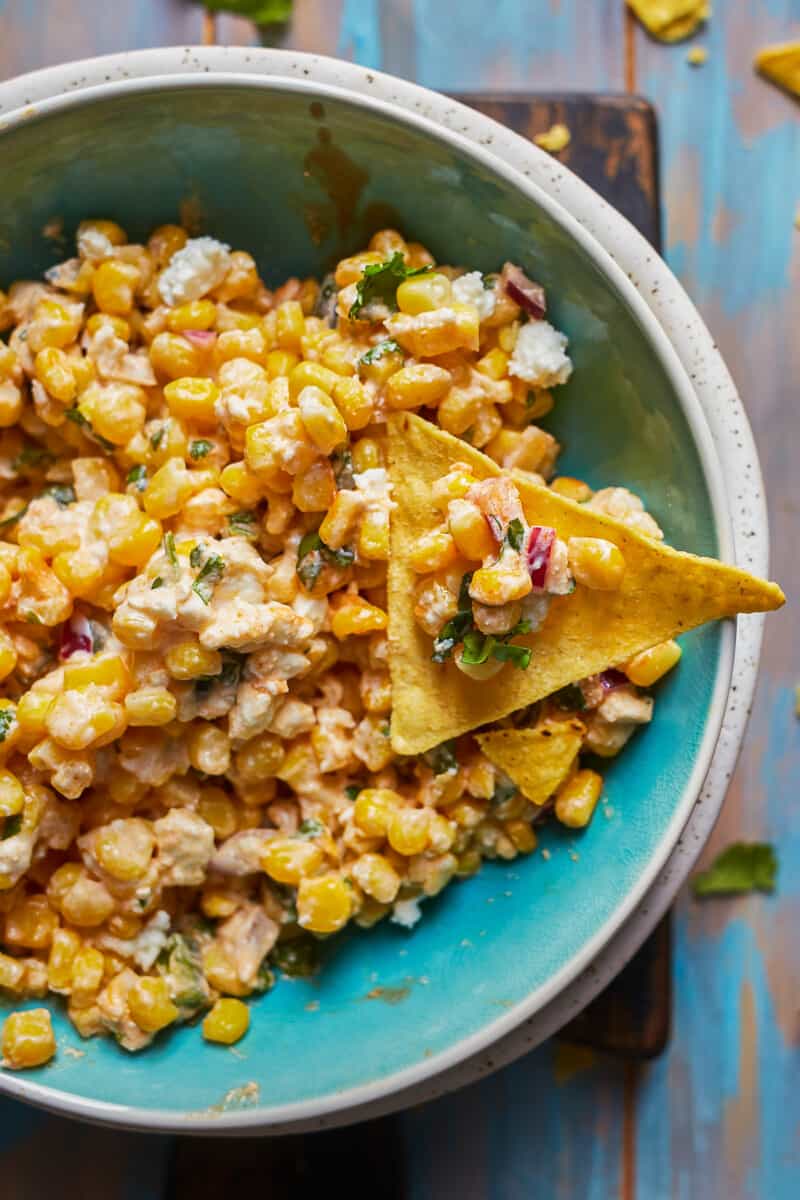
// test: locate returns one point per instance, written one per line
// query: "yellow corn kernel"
(32, 710)
(241, 484)
(117, 411)
(459, 410)
(195, 314)
(227, 1022)
(649, 666)
(190, 660)
(192, 399)
(86, 975)
(150, 706)
(388, 242)
(87, 903)
(311, 374)
(355, 616)
(118, 325)
(496, 584)
(289, 325)
(10, 403)
(572, 489)
(350, 270)
(324, 903)
(168, 490)
(340, 519)
(281, 363)
(260, 758)
(279, 445)
(173, 356)
(323, 422)
(219, 811)
(353, 402)
(375, 688)
(54, 371)
(452, 486)
(577, 798)
(221, 973)
(209, 749)
(5, 584)
(376, 876)
(107, 671)
(54, 324)
(596, 563)
(63, 948)
(381, 368)
(165, 241)
(12, 796)
(422, 384)
(79, 571)
(12, 975)
(86, 718)
(238, 344)
(30, 924)
(408, 830)
(113, 286)
(8, 655)
(422, 293)
(433, 551)
(372, 809)
(150, 1004)
(109, 231)
(337, 356)
(132, 544)
(27, 1039)
(470, 530)
(288, 860)
(373, 536)
(366, 453)
(314, 490)
(522, 835)
(494, 364)
(124, 848)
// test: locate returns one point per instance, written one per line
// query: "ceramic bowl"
(298, 160)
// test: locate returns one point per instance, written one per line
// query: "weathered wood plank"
(718, 1115)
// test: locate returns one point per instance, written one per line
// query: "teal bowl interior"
(297, 186)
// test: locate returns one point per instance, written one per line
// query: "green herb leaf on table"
(743, 867)
(261, 12)
(379, 283)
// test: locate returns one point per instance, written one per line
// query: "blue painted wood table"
(718, 1115)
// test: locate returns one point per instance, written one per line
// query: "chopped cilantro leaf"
(311, 828)
(442, 759)
(138, 477)
(78, 418)
(515, 534)
(200, 448)
(242, 523)
(504, 790)
(11, 826)
(7, 718)
(196, 556)
(157, 438)
(342, 463)
(12, 520)
(62, 493)
(520, 656)
(379, 283)
(31, 617)
(478, 647)
(372, 355)
(296, 958)
(157, 583)
(31, 456)
(313, 555)
(570, 698)
(352, 791)
(169, 548)
(209, 575)
(260, 12)
(743, 867)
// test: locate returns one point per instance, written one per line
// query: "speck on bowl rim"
(725, 447)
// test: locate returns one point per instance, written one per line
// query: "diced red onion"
(540, 546)
(523, 291)
(202, 338)
(76, 637)
(611, 679)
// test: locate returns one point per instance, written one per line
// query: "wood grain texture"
(717, 1116)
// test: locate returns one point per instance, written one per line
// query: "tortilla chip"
(537, 760)
(781, 64)
(664, 592)
(671, 20)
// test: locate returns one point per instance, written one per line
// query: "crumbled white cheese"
(194, 270)
(406, 913)
(94, 245)
(374, 484)
(469, 289)
(540, 355)
(145, 948)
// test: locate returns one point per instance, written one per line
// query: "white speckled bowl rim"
(724, 440)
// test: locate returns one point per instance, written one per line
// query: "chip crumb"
(696, 56)
(73, 1052)
(671, 20)
(54, 229)
(546, 855)
(556, 138)
(312, 1006)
